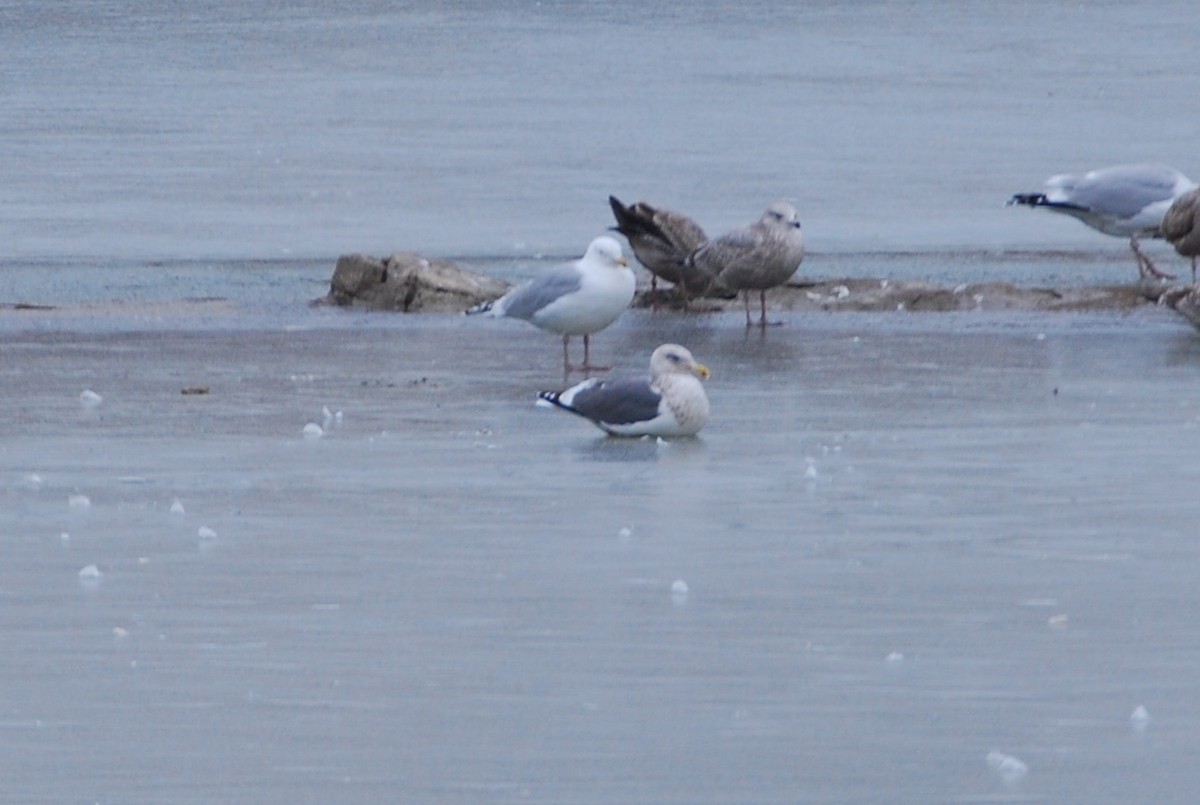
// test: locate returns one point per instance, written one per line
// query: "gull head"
(674, 359)
(606, 250)
(781, 214)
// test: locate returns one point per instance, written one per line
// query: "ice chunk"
(89, 398)
(204, 532)
(313, 431)
(177, 507)
(679, 587)
(1139, 719)
(90, 573)
(1010, 769)
(78, 501)
(895, 658)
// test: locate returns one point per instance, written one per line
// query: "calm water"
(311, 129)
(908, 540)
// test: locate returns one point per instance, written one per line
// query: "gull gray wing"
(1124, 191)
(612, 402)
(527, 300)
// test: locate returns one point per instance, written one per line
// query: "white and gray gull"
(756, 257)
(578, 298)
(1126, 201)
(671, 402)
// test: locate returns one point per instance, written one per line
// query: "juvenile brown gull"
(1181, 226)
(579, 298)
(1126, 201)
(671, 402)
(662, 240)
(755, 258)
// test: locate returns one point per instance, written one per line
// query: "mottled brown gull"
(755, 258)
(671, 402)
(662, 240)
(1181, 226)
(1126, 201)
(579, 298)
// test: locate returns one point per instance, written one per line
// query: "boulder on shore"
(409, 283)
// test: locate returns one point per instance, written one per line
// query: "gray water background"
(908, 540)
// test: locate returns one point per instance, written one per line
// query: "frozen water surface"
(461, 598)
(907, 540)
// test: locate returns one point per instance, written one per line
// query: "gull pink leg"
(1145, 267)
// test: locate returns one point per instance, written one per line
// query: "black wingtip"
(633, 223)
(626, 221)
(1028, 199)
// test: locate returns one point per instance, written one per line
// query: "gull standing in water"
(755, 258)
(661, 240)
(671, 402)
(1126, 201)
(1181, 226)
(578, 298)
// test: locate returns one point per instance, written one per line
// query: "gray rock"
(409, 283)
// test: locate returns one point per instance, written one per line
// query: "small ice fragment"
(143, 560)
(1010, 769)
(1057, 621)
(1139, 719)
(326, 417)
(840, 292)
(119, 633)
(900, 308)
(89, 398)
(90, 573)
(679, 587)
(177, 507)
(895, 658)
(79, 501)
(813, 296)
(1041, 336)
(204, 532)
(625, 533)
(337, 418)
(313, 431)
(65, 537)
(811, 472)
(958, 289)
(33, 479)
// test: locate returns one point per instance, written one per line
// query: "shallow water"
(908, 540)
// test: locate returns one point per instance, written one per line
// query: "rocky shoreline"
(410, 283)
